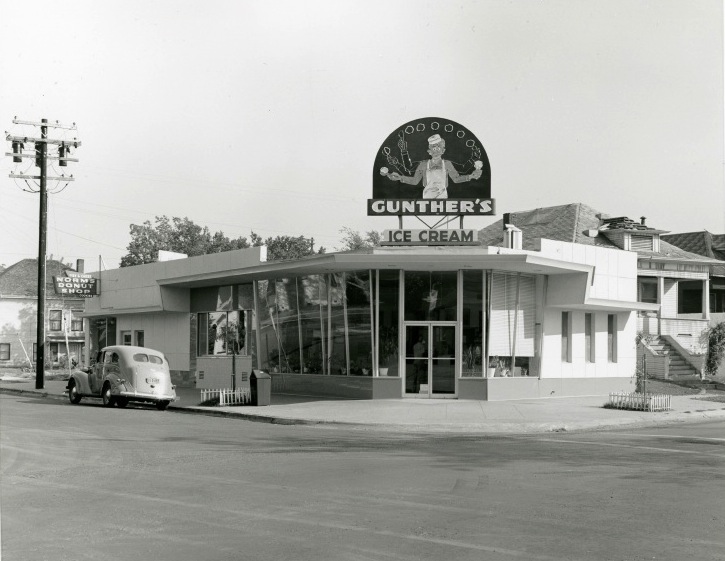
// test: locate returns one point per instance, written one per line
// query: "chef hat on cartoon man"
(436, 139)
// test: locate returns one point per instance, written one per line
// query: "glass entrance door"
(430, 362)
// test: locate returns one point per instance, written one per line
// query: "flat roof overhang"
(445, 259)
(597, 304)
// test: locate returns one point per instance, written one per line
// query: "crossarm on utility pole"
(75, 143)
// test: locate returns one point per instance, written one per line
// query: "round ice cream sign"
(431, 166)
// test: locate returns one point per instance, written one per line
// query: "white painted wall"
(554, 367)
(614, 278)
(614, 274)
(168, 332)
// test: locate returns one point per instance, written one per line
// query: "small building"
(65, 335)
(498, 321)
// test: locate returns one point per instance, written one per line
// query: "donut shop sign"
(76, 285)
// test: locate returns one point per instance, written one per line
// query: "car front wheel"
(73, 394)
(108, 399)
(162, 405)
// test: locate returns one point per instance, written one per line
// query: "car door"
(96, 374)
(111, 367)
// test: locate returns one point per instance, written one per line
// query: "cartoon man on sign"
(435, 171)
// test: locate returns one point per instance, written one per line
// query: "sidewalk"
(432, 415)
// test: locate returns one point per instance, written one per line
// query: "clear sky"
(267, 116)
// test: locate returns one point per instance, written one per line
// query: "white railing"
(640, 402)
(239, 396)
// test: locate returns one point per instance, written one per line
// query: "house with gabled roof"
(702, 243)
(712, 246)
(18, 317)
(677, 280)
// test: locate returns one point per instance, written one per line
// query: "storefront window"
(313, 323)
(388, 308)
(430, 296)
(472, 326)
(287, 332)
(221, 333)
(317, 324)
(103, 333)
(267, 314)
(512, 311)
(336, 355)
(358, 311)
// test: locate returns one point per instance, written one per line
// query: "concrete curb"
(490, 428)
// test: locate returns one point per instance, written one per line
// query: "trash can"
(261, 385)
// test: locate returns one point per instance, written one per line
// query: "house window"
(612, 337)
(717, 295)
(139, 336)
(565, 336)
(55, 320)
(221, 333)
(4, 351)
(53, 351)
(589, 337)
(689, 297)
(647, 290)
(76, 322)
(641, 243)
(125, 337)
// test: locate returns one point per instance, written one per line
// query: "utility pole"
(41, 156)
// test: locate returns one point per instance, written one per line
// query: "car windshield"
(141, 357)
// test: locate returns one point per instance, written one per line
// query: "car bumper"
(148, 396)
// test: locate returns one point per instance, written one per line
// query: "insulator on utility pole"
(17, 149)
(63, 151)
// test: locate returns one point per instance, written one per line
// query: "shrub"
(714, 340)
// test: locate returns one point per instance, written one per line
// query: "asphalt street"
(86, 482)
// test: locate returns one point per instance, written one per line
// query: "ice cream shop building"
(431, 313)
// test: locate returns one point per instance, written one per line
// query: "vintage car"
(122, 374)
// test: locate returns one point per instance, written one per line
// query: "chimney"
(511, 234)
(642, 220)
(80, 265)
(513, 237)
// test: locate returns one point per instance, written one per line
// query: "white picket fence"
(640, 402)
(239, 396)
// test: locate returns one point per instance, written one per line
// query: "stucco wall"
(167, 332)
(614, 275)
(554, 367)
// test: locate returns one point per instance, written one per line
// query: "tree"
(352, 239)
(287, 247)
(182, 235)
